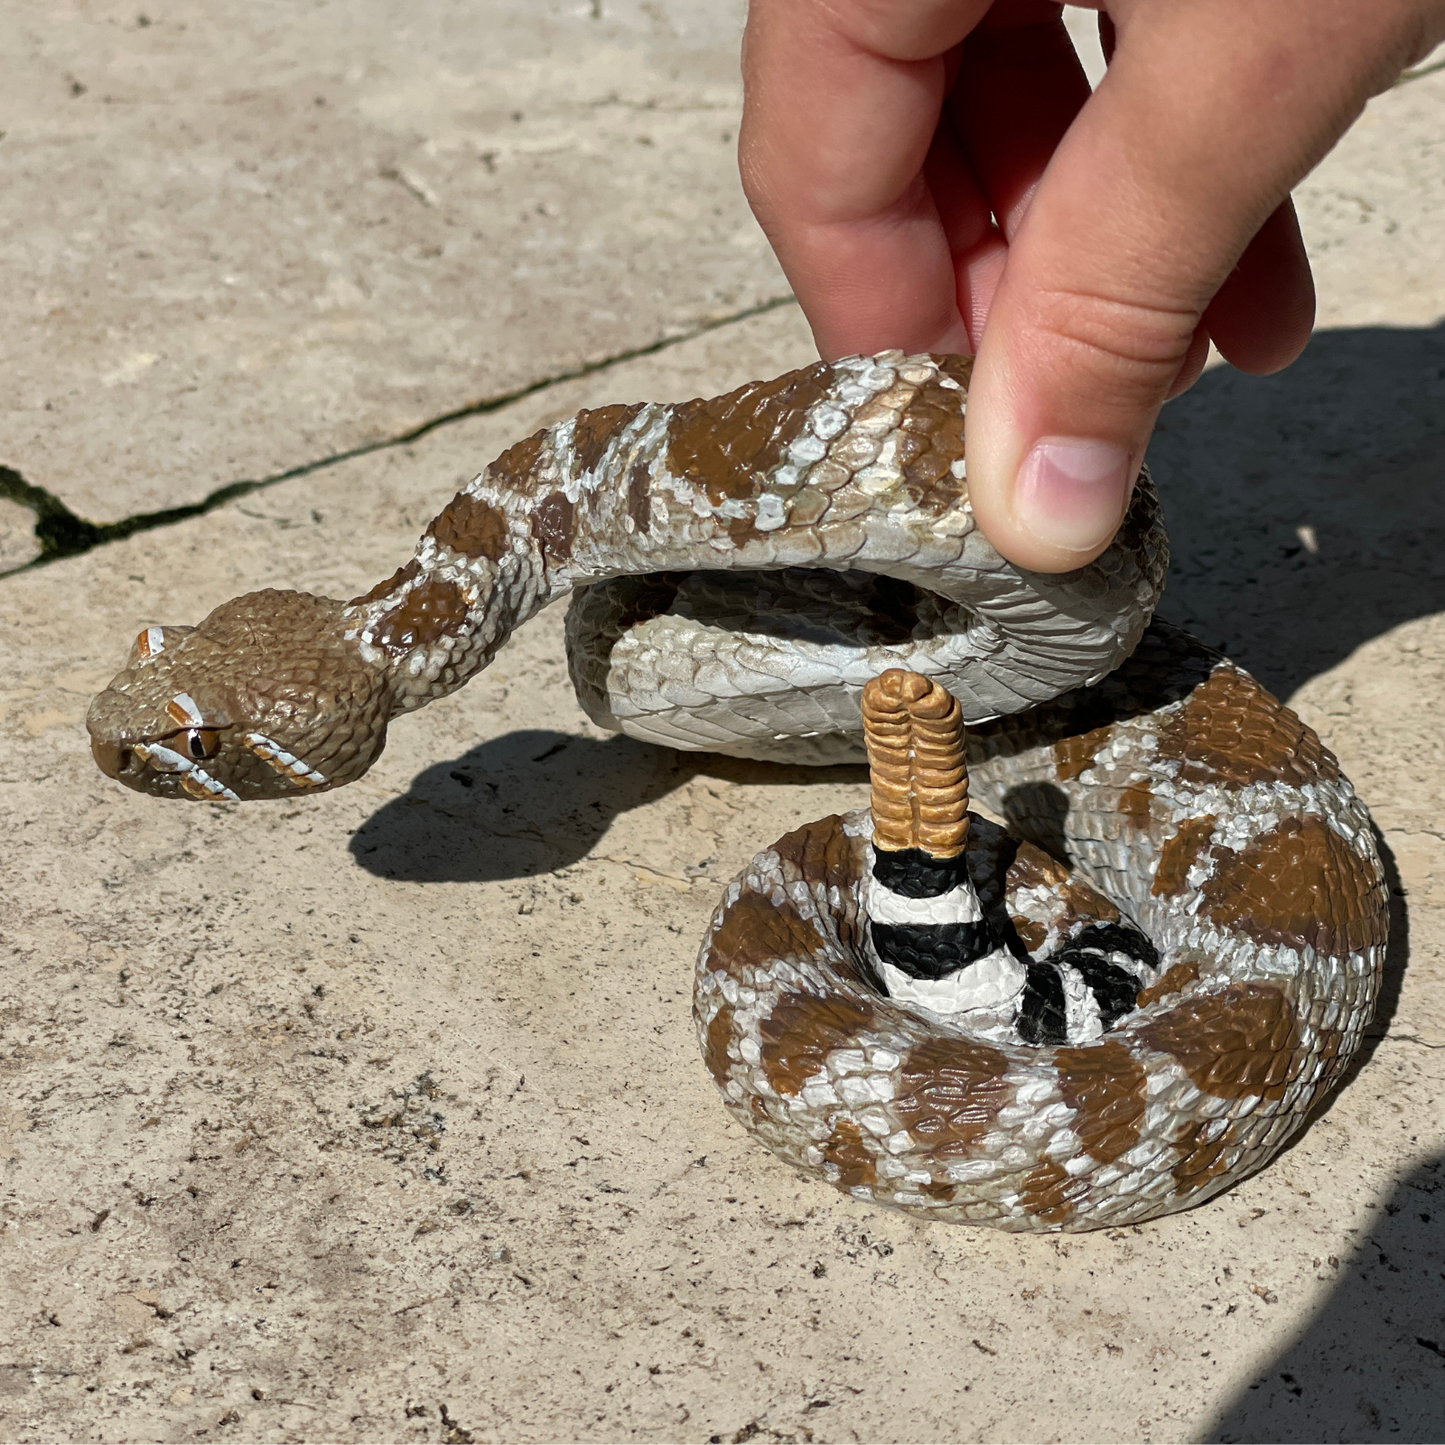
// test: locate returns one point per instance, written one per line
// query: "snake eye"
(202, 742)
(149, 643)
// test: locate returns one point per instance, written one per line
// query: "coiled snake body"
(741, 569)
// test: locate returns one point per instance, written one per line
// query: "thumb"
(1145, 215)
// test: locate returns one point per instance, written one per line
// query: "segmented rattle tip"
(913, 728)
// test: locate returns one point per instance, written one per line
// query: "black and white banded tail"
(929, 939)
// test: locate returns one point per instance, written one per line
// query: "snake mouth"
(209, 765)
(160, 766)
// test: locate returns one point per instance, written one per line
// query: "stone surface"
(17, 535)
(375, 218)
(379, 1116)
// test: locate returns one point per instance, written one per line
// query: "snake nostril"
(110, 758)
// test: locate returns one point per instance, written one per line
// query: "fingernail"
(1071, 492)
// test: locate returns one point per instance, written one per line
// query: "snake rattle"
(1115, 1010)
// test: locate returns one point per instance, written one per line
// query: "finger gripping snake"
(1118, 1006)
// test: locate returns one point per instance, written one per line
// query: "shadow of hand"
(1307, 510)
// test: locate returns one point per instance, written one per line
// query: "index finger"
(841, 103)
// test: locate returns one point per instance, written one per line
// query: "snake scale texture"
(740, 570)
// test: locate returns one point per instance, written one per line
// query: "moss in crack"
(61, 533)
(58, 530)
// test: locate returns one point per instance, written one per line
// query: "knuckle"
(1141, 344)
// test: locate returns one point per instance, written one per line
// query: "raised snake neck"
(742, 567)
(852, 468)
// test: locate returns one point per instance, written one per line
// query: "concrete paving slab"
(375, 216)
(379, 1116)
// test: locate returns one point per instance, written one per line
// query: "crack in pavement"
(61, 533)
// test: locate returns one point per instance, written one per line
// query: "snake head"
(264, 699)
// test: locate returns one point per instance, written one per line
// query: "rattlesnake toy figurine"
(1124, 1004)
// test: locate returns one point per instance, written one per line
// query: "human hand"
(924, 167)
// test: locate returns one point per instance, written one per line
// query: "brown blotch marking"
(846, 1149)
(1081, 900)
(1032, 935)
(432, 610)
(1179, 853)
(472, 527)
(756, 931)
(956, 368)
(554, 524)
(1299, 883)
(516, 469)
(1232, 731)
(950, 1093)
(1134, 803)
(1236, 1044)
(823, 853)
(1031, 867)
(715, 1050)
(1046, 1192)
(820, 854)
(1201, 1159)
(1104, 1085)
(802, 1031)
(1075, 900)
(930, 440)
(592, 431)
(639, 495)
(394, 583)
(1176, 980)
(729, 445)
(740, 530)
(1074, 756)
